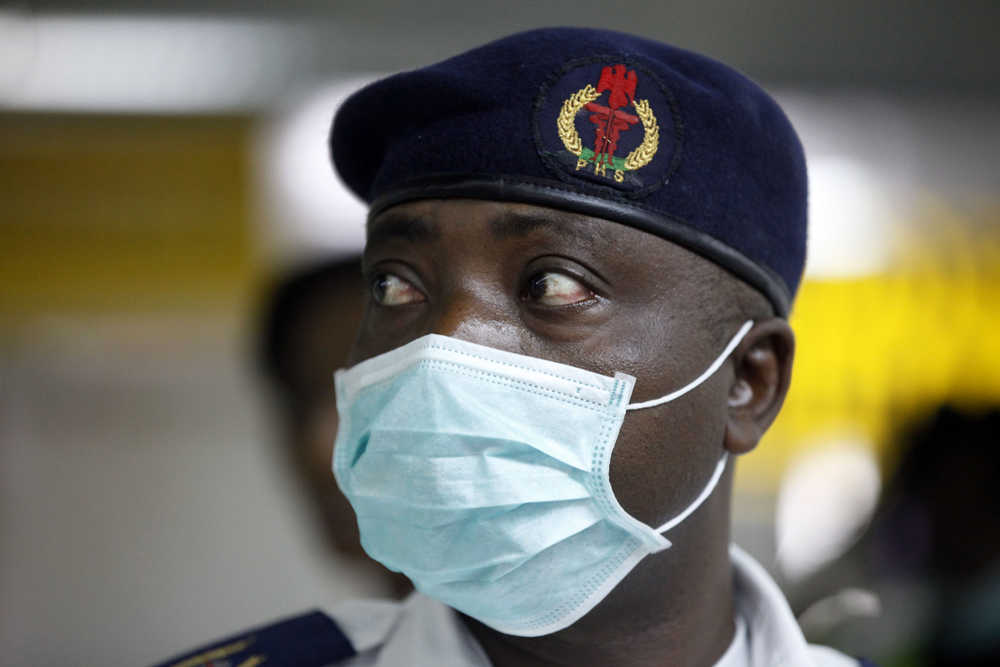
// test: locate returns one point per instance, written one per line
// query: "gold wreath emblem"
(565, 123)
(566, 127)
(642, 155)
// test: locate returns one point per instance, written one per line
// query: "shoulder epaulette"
(310, 640)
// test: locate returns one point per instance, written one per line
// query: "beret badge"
(599, 122)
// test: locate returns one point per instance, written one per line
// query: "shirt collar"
(774, 635)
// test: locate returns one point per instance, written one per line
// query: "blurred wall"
(110, 213)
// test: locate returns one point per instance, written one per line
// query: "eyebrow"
(516, 224)
(512, 224)
(408, 228)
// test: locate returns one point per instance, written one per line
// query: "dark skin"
(605, 297)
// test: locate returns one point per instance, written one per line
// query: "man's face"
(571, 289)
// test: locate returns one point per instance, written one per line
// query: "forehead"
(491, 226)
(436, 219)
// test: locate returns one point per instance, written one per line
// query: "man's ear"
(763, 370)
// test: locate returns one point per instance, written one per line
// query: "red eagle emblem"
(609, 120)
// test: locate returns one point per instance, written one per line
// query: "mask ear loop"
(721, 359)
(721, 465)
(705, 493)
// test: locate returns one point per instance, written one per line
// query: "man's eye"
(390, 290)
(556, 289)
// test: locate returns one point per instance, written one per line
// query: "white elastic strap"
(701, 378)
(705, 493)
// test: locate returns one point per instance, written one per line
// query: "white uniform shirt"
(421, 632)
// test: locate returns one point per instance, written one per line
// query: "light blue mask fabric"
(482, 475)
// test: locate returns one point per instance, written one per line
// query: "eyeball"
(388, 289)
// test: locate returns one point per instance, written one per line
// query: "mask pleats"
(483, 476)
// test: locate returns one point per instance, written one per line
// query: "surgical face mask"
(482, 475)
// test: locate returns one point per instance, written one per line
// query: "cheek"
(378, 334)
(666, 454)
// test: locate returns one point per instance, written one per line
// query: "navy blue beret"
(599, 123)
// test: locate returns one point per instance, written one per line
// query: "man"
(582, 247)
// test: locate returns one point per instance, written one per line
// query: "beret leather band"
(564, 197)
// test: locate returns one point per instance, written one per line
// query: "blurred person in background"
(308, 325)
(931, 554)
